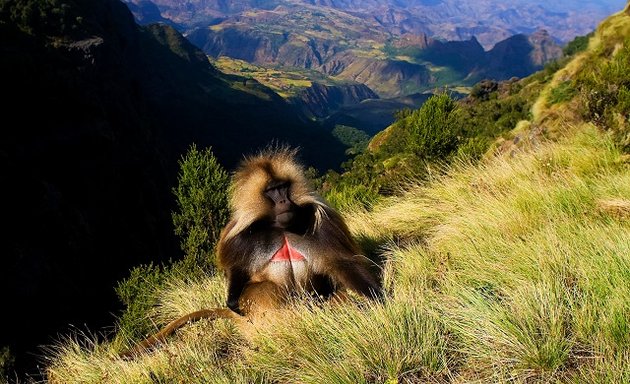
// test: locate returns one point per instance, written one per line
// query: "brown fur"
(328, 260)
(248, 242)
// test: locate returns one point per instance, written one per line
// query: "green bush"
(579, 44)
(434, 132)
(138, 293)
(202, 202)
(472, 148)
(355, 139)
(563, 92)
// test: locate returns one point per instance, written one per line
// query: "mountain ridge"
(391, 67)
(490, 21)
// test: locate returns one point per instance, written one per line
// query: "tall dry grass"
(515, 270)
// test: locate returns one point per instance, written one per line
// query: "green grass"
(516, 270)
(563, 92)
(524, 258)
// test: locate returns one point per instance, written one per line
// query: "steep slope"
(97, 112)
(321, 100)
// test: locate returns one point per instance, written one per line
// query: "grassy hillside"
(513, 269)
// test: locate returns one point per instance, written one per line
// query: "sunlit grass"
(528, 257)
(517, 269)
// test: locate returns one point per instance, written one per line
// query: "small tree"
(202, 201)
(434, 132)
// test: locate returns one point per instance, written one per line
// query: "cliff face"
(238, 44)
(387, 77)
(322, 100)
(545, 49)
(520, 56)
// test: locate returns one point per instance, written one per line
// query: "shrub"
(434, 132)
(563, 92)
(579, 44)
(138, 293)
(355, 139)
(202, 202)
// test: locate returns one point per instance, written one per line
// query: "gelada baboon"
(282, 239)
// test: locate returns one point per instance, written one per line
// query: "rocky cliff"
(320, 100)
(520, 55)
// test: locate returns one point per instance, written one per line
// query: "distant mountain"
(490, 21)
(396, 48)
(349, 48)
(516, 56)
(506, 58)
(97, 111)
(146, 12)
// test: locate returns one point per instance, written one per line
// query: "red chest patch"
(287, 253)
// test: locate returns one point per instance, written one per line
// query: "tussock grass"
(356, 345)
(528, 257)
(515, 270)
(182, 296)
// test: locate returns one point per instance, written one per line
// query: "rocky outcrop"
(545, 48)
(322, 100)
(520, 56)
(388, 78)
